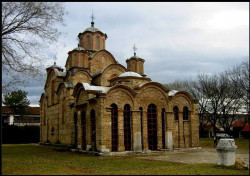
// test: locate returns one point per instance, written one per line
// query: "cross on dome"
(92, 19)
(134, 50)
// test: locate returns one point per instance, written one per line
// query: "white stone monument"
(226, 152)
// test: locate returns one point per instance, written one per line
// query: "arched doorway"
(127, 127)
(83, 122)
(114, 128)
(93, 128)
(152, 126)
(75, 126)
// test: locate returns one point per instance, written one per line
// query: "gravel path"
(189, 156)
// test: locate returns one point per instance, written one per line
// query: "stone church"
(97, 104)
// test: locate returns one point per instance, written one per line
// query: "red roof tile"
(246, 128)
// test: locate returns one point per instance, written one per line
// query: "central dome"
(125, 74)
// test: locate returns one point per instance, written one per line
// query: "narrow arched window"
(63, 110)
(83, 123)
(75, 128)
(52, 92)
(185, 113)
(127, 127)
(76, 60)
(163, 127)
(97, 42)
(44, 114)
(176, 113)
(93, 125)
(52, 131)
(88, 42)
(152, 126)
(141, 114)
(114, 127)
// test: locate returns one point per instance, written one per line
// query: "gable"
(100, 60)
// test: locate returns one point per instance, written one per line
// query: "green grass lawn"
(33, 159)
(241, 143)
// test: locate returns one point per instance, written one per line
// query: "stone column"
(79, 134)
(120, 131)
(169, 130)
(159, 130)
(194, 127)
(136, 130)
(226, 152)
(145, 130)
(88, 129)
(180, 133)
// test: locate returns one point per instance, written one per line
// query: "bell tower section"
(92, 39)
(136, 64)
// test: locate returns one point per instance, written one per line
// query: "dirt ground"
(189, 156)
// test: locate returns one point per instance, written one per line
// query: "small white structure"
(226, 152)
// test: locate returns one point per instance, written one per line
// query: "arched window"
(163, 127)
(176, 113)
(75, 125)
(83, 122)
(88, 42)
(114, 127)
(127, 127)
(93, 128)
(63, 110)
(141, 113)
(52, 91)
(185, 113)
(75, 59)
(152, 126)
(97, 42)
(44, 114)
(52, 131)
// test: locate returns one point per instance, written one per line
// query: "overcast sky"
(176, 40)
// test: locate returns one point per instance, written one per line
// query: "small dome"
(125, 74)
(172, 92)
(79, 48)
(55, 66)
(92, 29)
(135, 57)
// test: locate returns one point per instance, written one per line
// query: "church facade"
(97, 104)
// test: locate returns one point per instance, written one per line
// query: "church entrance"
(152, 127)
(83, 124)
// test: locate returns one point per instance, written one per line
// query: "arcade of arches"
(97, 104)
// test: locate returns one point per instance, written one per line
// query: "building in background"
(32, 118)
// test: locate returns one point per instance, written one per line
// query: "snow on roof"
(172, 92)
(96, 88)
(59, 73)
(125, 74)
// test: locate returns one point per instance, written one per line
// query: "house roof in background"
(238, 123)
(31, 110)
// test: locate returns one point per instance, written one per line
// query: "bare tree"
(224, 99)
(26, 28)
(221, 96)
